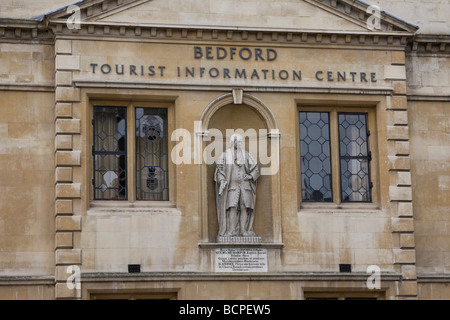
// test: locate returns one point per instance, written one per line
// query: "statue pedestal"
(243, 239)
(241, 255)
(241, 260)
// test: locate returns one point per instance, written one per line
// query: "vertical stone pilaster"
(400, 191)
(67, 185)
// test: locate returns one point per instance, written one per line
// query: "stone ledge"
(239, 239)
(422, 97)
(148, 31)
(433, 278)
(208, 276)
(214, 245)
(31, 87)
(63, 292)
(26, 280)
(386, 91)
(68, 190)
(125, 208)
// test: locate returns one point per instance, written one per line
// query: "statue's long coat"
(223, 172)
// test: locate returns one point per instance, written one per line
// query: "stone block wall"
(68, 155)
(26, 183)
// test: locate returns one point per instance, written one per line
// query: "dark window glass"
(110, 153)
(152, 176)
(354, 157)
(315, 156)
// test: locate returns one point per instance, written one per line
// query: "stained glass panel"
(315, 156)
(152, 178)
(109, 152)
(354, 157)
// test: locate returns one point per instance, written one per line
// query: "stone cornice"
(215, 245)
(214, 276)
(26, 280)
(148, 32)
(422, 97)
(393, 33)
(433, 278)
(54, 25)
(248, 88)
(429, 45)
(20, 30)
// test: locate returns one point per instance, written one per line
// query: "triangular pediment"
(303, 15)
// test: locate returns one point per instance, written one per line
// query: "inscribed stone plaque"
(241, 260)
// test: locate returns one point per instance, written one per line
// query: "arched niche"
(252, 118)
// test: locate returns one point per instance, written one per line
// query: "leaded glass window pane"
(315, 156)
(354, 157)
(152, 174)
(110, 153)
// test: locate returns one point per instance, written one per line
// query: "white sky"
(431, 15)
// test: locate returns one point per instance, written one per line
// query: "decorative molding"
(433, 278)
(386, 91)
(26, 280)
(149, 32)
(394, 32)
(247, 99)
(214, 245)
(28, 87)
(429, 45)
(422, 97)
(27, 32)
(207, 276)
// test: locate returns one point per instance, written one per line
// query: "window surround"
(130, 106)
(333, 110)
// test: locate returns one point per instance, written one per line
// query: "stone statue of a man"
(235, 176)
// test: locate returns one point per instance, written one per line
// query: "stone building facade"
(110, 112)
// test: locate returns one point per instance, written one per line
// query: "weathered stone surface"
(400, 193)
(63, 46)
(68, 223)
(67, 62)
(64, 240)
(68, 190)
(402, 225)
(68, 125)
(68, 256)
(402, 256)
(63, 142)
(394, 72)
(63, 110)
(63, 206)
(64, 174)
(63, 292)
(66, 94)
(68, 158)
